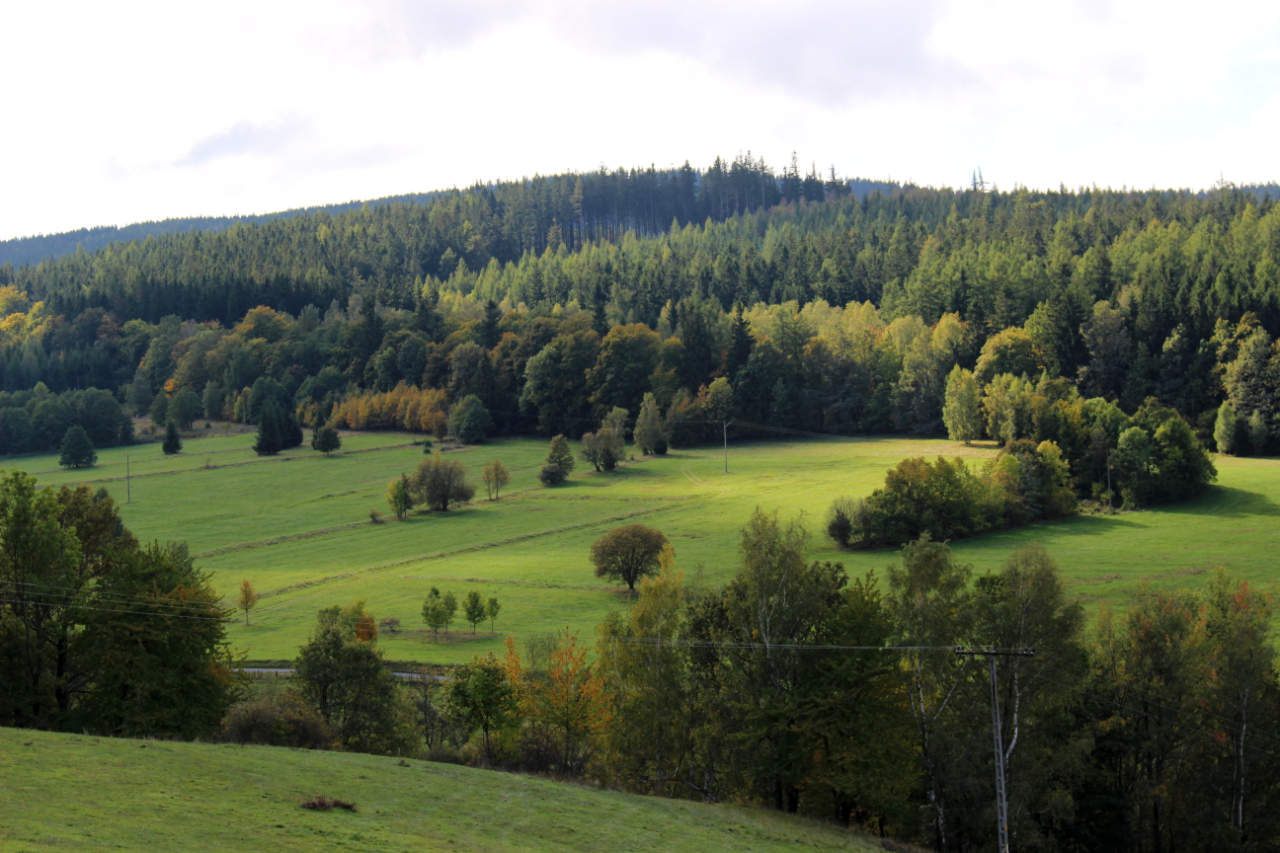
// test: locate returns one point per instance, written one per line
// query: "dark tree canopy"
(71, 659)
(629, 552)
(77, 449)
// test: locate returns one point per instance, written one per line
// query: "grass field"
(298, 527)
(72, 792)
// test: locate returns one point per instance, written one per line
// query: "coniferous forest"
(1108, 341)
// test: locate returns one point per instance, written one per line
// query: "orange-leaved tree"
(570, 705)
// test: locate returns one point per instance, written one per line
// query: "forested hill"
(556, 300)
(21, 251)
(626, 191)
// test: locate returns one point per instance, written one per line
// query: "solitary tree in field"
(172, 441)
(400, 497)
(248, 598)
(491, 610)
(495, 477)
(326, 440)
(473, 609)
(559, 462)
(629, 552)
(77, 449)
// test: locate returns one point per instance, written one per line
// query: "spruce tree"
(77, 449)
(271, 430)
(172, 441)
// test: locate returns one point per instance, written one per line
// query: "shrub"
(324, 804)
(283, 719)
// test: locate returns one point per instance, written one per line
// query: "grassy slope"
(71, 792)
(297, 526)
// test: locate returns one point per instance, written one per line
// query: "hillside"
(20, 251)
(71, 792)
(297, 526)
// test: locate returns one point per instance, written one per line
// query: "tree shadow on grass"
(1225, 502)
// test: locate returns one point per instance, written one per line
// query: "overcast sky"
(122, 112)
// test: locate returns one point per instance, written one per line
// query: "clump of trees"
(440, 482)
(438, 611)
(278, 429)
(470, 420)
(495, 478)
(342, 674)
(100, 633)
(948, 500)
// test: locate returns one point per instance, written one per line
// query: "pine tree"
(77, 449)
(172, 441)
(740, 344)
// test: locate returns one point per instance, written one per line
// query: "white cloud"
(148, 110)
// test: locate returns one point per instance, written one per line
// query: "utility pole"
(725, 425)
(128, 489)
(1002, 794)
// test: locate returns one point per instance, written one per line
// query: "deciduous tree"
(326, 440)
(495, 478)
(628, 552)
(439, 482)
(473, 609)
(247, 599)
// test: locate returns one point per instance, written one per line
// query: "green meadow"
(72, 792)
(298, 527)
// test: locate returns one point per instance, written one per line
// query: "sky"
(123, 112)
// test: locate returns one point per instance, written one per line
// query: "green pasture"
(72, 792)
(298, 527)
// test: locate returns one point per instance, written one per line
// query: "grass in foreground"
(72, 792)
(298, 527)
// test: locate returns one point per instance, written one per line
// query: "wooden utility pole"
(1002, 794)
